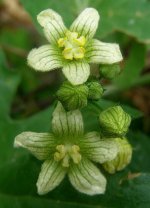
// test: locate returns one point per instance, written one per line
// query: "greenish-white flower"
(72, 49)
(123, 157)
(67, 150)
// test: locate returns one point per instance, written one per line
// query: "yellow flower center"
(66, 153)
(73, 45)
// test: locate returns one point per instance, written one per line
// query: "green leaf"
(129, 17)
(133, 67)
(19, 38)
(136, 191)
(141, 148)
(8, 85)
(103, 104)
(28, 202)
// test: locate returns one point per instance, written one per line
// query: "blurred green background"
(27, 99)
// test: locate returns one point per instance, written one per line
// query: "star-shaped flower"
(74, 49)
(69, 151)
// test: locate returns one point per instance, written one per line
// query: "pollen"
(73, 46)
(67, 154)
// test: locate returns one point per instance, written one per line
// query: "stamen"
(60, 154)
(66, 153)
(73, 46)
(57, 156)
(65, 162)
(74, 153)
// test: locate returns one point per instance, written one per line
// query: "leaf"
(103, 104)
(130, 17)
(8, 85)
(28, 202)
(18, 39)
(133, 67)
(141, 148)
(136, 191)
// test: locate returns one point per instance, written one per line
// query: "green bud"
(122, 159)
(73, 96)
(110, 71)
(95, 90)
(114, 121)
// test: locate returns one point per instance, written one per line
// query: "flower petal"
(123, 157)
(51, 175)
(103, 53)
(97, 149)
(67, 123)
(86, 23)
(87, 178)
(44, 58)
(76, 72)
(52, 24)
(40, 145)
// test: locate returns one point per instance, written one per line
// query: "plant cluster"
(68, 149)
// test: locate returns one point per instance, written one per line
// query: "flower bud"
(73, 96)
(110, 71)
(122, 159)
(114, 121)
(95, 90)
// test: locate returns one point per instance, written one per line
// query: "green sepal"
(123, 157)
(95, 90)
(114, 121)
(73, 96)
(110, 71)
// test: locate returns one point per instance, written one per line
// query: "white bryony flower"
(74, 49)
(69, 151)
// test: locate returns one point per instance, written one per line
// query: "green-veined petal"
(52, 24)
(103, 53)
(87, 178)
(97, 149)
(76, 72)
(51, 175)
(123, 157)
(86, 23)
(44, 58)
(67, 123)
(41, 145)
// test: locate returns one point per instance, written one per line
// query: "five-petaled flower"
(74, 49)
(69, 151)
